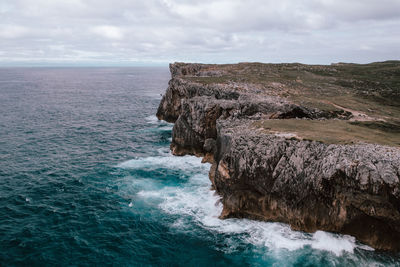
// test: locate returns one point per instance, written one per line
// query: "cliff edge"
(317, 147)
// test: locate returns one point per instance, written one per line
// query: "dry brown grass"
(335, 131)
(372, 90)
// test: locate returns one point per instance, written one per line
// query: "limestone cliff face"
(351, 189)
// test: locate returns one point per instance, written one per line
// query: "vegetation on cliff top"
(371, 92)
(334, 131)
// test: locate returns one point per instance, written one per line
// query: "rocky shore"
(316, 147)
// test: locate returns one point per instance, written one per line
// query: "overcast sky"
(130, 32)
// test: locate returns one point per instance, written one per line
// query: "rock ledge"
(268, 174)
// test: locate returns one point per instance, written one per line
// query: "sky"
(156, 32)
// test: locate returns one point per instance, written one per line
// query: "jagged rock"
(352, 188)
(210, 145)
(183, 69)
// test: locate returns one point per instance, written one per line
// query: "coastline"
(264, 172)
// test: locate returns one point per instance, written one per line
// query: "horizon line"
(158, 64)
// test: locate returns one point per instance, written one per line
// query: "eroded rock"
(345, 188)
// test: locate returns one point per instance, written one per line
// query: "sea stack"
(314, 146)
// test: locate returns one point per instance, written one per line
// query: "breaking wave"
(195, 204)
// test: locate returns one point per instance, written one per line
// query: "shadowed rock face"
(351, 189)
(346, 188)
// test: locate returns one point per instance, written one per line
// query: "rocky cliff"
(294, 143)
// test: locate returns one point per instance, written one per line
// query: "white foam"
(164, 151)
(167, 161)
(166, 128)
(152, 119)
(149, 194)
(335, 243)
(199, 202)
(180, 223)
(158, 194)
(195, 200)
(158, 125)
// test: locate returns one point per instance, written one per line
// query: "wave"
(152, 119)
(204, 206)
(193, 199)
(167, 161)
(158, 124)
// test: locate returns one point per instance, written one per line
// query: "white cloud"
(107, 31)
(366, 47)
(12, 31)
(5, 7)
(309, 31)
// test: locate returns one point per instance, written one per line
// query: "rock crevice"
(265, 175)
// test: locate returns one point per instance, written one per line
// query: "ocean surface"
(86, 178)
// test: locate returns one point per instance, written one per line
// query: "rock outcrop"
(268, 175)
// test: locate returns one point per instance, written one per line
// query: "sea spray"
(193, 198)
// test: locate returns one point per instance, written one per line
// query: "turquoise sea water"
(86, 178)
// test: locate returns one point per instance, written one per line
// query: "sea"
(87, 179)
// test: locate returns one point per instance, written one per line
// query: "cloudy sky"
(131, 32)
